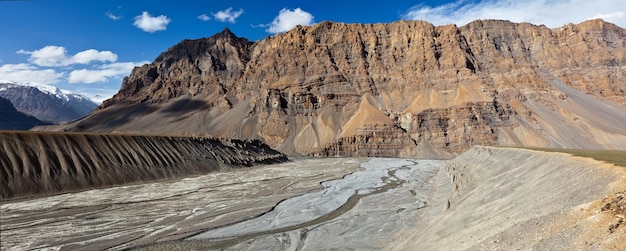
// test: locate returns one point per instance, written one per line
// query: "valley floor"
(485, 199)
(376, 200)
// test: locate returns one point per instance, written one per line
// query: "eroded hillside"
(34, 164)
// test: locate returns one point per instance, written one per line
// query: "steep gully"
(39, 163)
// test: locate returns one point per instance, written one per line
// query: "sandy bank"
(39, 163)
(510, 199)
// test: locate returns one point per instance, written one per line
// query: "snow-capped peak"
(48, 89)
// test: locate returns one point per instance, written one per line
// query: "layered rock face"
(397, 89)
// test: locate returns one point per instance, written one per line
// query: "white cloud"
(47, 56)
(85, 57)
(103, 73)
(611, 16)
(552, 13)
(57, 56)
(113, 16)
(288, 19)
(204, 17)
(95, 93)
(29, 73)
(227, 15)
(151, 24)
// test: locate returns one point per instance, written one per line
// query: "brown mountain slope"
(325, 89)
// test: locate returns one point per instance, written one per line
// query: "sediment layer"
(46, 163)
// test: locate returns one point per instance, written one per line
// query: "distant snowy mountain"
(98, 99)
(45, 102)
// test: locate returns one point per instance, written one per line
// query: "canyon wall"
(407, 88)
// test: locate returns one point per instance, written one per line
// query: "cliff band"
(400, 89)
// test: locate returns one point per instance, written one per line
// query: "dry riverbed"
(484, 199)
(279, 206)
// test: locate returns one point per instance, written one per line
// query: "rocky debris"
(35, 164)
(371, 141)
(442, 88)
(615, 205)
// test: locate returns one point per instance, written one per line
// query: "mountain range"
(45, 102)
(407, 88)
(12, 119)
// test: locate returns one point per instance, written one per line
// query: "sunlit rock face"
(406, 88)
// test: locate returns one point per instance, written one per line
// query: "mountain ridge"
(12, 119)
(445, 88)
(46, 102)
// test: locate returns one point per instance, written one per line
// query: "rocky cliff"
(34, 164)
(402, 88)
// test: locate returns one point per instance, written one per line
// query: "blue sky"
(89, 46)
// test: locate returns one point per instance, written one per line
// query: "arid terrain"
(127, 216)
(487, 198)
(510, 199)
(400, 136)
